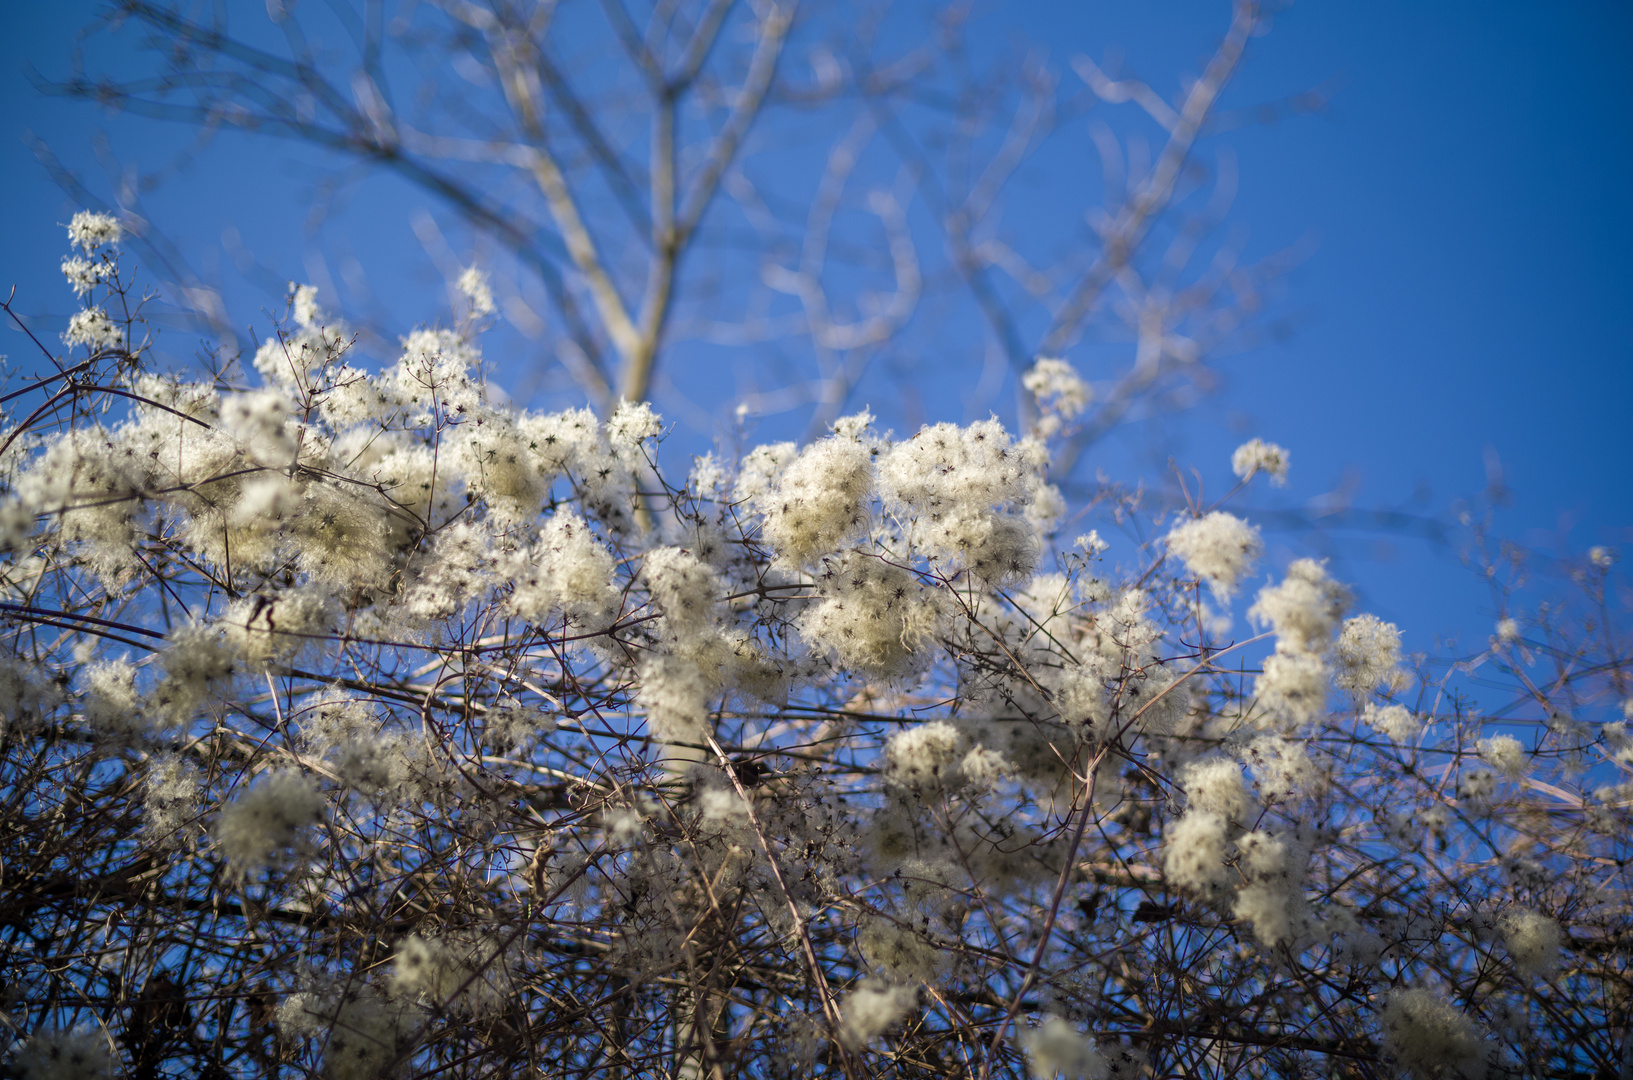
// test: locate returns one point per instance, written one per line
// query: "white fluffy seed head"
(267, 819)
(903, 955)
(51, 1054)
(1505, 754)
(872, 1008)
(90, 230)
(474, 287)
(1057, 1049)
(1216, 785)
(1293, 688)
(1395, 722)
(465, 973)
(1257, 456)
(1304, 609)
(1282, 766)
(1057, 387)
(1220, 549)
(1533, 941)
(820, 501)
(675, 694)
(876, 617)
(1194, 855)
(964, 493)
(569, 571)
(1429, 1035)
(684, 587)
(170, 799)
(1368, 655)
(93, 329)
(925, 757)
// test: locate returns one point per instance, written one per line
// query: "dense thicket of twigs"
(355, 725)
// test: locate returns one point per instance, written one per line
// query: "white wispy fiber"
(1506, 754)
(170, 798)
(83, 275)
(675, 694)
(1216, 785)
(925, 757)
(1282, 766)
(1271, 896)
(362, 1032)
(901, 954)
(1293, 687)
(473, 285)
(465, 973)
(1395, 722)
(567, 571)
(1060, 392)
(93, 329)
(760, 468)
(684, 587)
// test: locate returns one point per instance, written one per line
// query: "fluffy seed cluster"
(1395, 722)
(963, 493)
(1428, 1035)
(1270, 897)
(684, 586)
(267, 819)
(1060, 392)
(1533, 941)
(1505, 754)
(1056, 1048)
(93, 329)
(1216, 785)
(875, 616)
(64, 1055)
(90, 230)
(1219, 548)
(1304, 611)
(171, 798)
(474, 286)
(1257, 456)
(466, 974)
(568, 572)
(924, 757)
(873, 1008)
(1368, 654)
(361, 1031)
(819, 501)
(902, 955)
(1195, 854)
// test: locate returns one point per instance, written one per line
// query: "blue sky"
(1465, 300)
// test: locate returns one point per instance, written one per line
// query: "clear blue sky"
(1467, 298)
